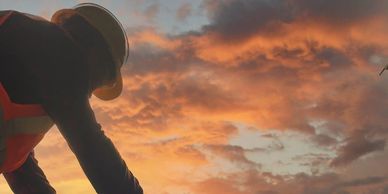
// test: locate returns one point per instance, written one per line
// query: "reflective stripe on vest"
(22, 127)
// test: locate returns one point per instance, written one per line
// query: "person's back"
(37, 55)
(47, 64)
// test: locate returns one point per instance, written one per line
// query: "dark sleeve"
(29, 178)
(3, 16)
(95, 152)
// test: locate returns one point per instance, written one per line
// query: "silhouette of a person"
(59, 64)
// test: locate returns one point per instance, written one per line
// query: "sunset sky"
(241, 97)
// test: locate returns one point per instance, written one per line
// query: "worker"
(48, 72)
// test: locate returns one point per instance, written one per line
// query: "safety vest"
(22, 127)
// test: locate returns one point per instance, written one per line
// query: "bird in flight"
(385, 68)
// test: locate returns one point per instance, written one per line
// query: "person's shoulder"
(5, 15)
(10, 13)
(12, 19)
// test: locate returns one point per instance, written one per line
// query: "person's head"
(103, 41)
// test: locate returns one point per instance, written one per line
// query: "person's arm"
(95, 152)
(29, 178)
(54, 65)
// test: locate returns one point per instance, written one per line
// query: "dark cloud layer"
(238, 20)
(341, 12)
(357, 146)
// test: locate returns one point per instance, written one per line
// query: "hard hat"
(115, 37)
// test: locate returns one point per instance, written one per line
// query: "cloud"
(151, 11)
(355, 147)
(273, 65)
(360, 182)
(341, 12)
(324, 140)
(284, 83)
(234, 154)
(183, 12)
(263, 183)
(240, 20)
(237, 183)
(235, 20)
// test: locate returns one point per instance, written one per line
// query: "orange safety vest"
(22, 127)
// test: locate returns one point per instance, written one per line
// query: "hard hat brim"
(110, 92)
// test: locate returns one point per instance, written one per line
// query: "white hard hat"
(115, 37)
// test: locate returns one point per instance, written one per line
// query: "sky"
(241, 97)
